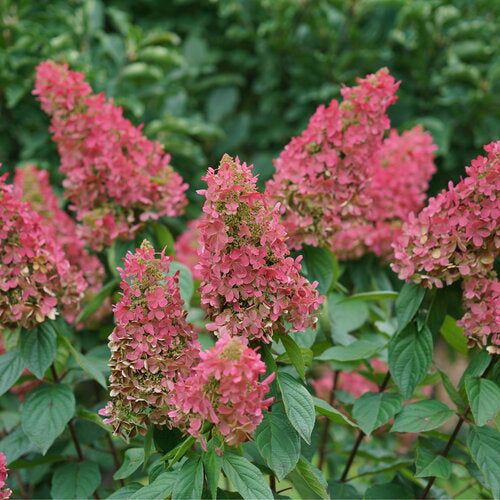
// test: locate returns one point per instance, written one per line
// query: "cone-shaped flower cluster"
(116, 178)
(151, 346)
(457, 235)
(223, 389)
(33, 186)
(250, 284)
(331, 181)
(4, 491)
(35, 275)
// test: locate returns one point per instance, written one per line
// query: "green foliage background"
(243, 76)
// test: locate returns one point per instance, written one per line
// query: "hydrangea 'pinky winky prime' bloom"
(116, 178)
(250, 283)
(35, 275)
(151, 346)
(4, 491)
(223, 389)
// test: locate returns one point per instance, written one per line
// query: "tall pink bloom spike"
(4, 491)
(334, 181)
(151, 346)
(223, 389)
(33, 186)
(457, 236)
(251, 285)
(35, 274)
(116, 178)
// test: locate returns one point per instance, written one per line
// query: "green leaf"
(408, 302)
(484, 446)
(38, 348)
(186, 284)
(221, 101)
(161, 487)
(85, 363)
(295, 354)
(213, 465)
(245, 477)
(359, 349)
(189, 484)
(342, 491)
(422, 416)
(45, 413)
(345, 317)
(93, 417)
(75, 480)
(132, 460)
(454, 335)
(374, 409)
(308, 481)
(476, 367)
(11, 367)
(16, 444)
(328, 411)
(305, 352)
(166, 439)
(97, 301)
(410, 357)
(126, 492)
(484, 398)
(163, 237)
(428, 464)
(450, 389)
(278, 442)
(367, 296)
(299, 405)
(387, 491)
(320, 265)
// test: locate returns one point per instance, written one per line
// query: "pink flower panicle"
(116, 178)
(4, 491)
(322, 177)
(457, 235)
(186, 248)
(151, 346)
(35, 275)
(223, 389)
(250, 283)
(33, 186)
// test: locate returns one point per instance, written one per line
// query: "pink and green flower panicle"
(152, 345)
(250, 284)
(341, 185)
(224, 390)
(116, 178)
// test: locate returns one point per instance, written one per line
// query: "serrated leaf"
(410, 357)
(374, 409)
(85, 363)
(454, 335)
(75, 480)
(161, 487)
(422, 416)
(345, 317)
(189, 484)
(126, 492)
(387, 491)
(307, 356)
(308, 481)
(408, 302)
(359, 349)
(450, 389)
(38, 348)
(16, 444)
(45, 413)
(367, 296)
(295, 355)
(484, 446)
(430, 464)
(299, 406)
(278, 442)
(342, 491)
(213, 465)
(245, 477)
(484, 398)
(11, 367)
(328, 411)
(476, 367)
(186, 284)
(132, 460)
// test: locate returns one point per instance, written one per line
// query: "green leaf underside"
(374, 409)
(308, 480)
(429, 463)
(328, 411)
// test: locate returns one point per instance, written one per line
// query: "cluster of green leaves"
(305, 447)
